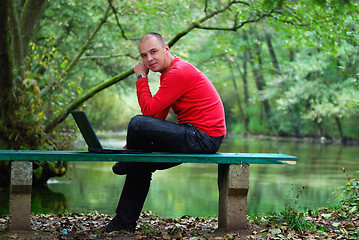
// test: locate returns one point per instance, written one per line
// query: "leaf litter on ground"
(336, 224)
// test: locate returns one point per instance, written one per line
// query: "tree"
(58, 55)
(39, 87)
(29, 26)
(6, 83)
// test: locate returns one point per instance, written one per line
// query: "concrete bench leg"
(20, 196)
(233, 184)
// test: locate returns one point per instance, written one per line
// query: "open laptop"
(93, 143)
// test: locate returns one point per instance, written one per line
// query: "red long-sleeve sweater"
(189, 93)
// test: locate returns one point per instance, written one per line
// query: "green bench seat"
(233, 178)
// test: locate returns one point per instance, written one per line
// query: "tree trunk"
(245, 76)
(30, 16)
(245, 87)
(340, 129)
(17, 42)
(7, 99)
(15, 34)
(260, 84)
(272, 54)
(258, 76)
(294, 110)
(238, 99)
(291, 55)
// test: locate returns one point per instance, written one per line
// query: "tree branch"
(108, 56)
(195, 24)
(236, 26)
(86, 45)
(77, 57)
(81, 99)
(205, 6)
(117, 21)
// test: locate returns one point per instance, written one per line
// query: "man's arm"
(172, 87)
(141, 69)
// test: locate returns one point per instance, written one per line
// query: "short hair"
(153, 34)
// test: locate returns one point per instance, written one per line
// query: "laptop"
(93, 143)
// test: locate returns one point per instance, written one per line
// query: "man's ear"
(167, 48)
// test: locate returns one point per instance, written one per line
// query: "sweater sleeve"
(172, 87)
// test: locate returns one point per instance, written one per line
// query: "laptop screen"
(86, 130)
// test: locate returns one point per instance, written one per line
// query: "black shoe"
(120, 168)
(115, 225)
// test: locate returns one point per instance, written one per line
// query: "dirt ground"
(327, 224)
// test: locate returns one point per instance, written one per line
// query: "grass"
(290, 219)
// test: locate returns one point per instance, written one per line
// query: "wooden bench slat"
(220, 158)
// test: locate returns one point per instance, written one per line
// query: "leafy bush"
(350, 192)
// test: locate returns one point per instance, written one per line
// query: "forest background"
(287, 68)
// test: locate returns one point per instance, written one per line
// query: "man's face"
(154, 55)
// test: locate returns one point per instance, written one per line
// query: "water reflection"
(47, 200)
(43, 200)
(191, 189)
(316, 176)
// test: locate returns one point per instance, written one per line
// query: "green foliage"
(307, 97)
(354, 79)
(314, 91)
(350, 193)
(37, 107)
(291, 217)
(45, 170)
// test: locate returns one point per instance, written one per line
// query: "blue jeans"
(156, 135)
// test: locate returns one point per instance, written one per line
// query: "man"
(200, 128)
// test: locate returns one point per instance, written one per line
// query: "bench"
(233, 178)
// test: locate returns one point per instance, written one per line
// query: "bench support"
(20, 196)
(233, 184)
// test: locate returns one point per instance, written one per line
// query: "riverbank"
(340, 221)
(302, 139)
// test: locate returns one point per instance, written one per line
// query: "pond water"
(191, 189)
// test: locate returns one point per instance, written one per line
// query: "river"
(191, 189)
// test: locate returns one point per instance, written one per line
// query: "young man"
(200, 126)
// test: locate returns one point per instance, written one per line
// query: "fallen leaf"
(166, 236)
(349, 227)
(326, 215)
(353, 210)
(284, 228)
(335, 224)
(14, 236)
(275, 231)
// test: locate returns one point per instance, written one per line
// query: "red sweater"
(189, 93)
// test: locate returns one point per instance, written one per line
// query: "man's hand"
(140, 68)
